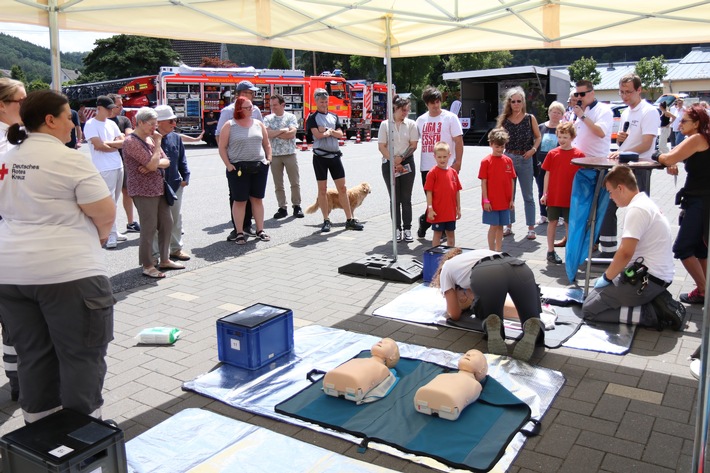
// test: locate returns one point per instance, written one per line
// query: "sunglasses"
(516, 101)
(15, 101)
(321, 95)
(581, 94)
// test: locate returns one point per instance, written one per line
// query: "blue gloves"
(601, 282)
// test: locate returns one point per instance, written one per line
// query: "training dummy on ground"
(481, 280)
(448, 394)
(365, 379)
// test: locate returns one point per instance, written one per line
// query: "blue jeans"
(524, 170)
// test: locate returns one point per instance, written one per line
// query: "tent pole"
(54, 46)
(701, 412)
(390, 138)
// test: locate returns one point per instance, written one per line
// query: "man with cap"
(105, 139)
(177, 175)
(244, 89)
(327, 130)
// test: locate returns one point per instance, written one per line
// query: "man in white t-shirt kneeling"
(105, 139)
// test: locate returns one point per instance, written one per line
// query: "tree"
(477, 61)
(279, 60)
(37, 84)
(584, 69)
(17, 73)
(126, 56)
(652, 72)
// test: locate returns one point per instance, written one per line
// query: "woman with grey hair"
(524, 143)
(548, 133)
(143, 159)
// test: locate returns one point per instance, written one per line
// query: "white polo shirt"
(643, 120)
(589, 143)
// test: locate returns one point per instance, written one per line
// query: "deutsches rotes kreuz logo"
(19, 171)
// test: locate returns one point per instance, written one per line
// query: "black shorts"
(322, 165)
(241, 188)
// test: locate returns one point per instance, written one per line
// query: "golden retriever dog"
(356, 195)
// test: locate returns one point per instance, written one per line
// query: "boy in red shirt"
(497, 174)
(558, 184)
(443, 198)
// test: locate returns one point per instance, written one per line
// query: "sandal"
(263, 236)
(153, 273)
(240, 239)
(171, 265)
(531, 235)
(507, 231)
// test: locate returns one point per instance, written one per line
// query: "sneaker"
(399, 235)
(326, 226)
(408, 236)
(421, 232)
(669, 312)
(121, 237)
(693, 297)
(232, 236)
(353, 224)
(542, 220)
(561, 222)
(526, 346)
(553, 257)
(282, 213)
(111, 243)
(133, 227)
(297, 211)
(249, 231)
(494, 330)
(695, 368)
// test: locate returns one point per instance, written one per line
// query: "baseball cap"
(246, 85)
(165, 112)
(106, 102)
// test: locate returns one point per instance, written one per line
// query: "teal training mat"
(475, 441)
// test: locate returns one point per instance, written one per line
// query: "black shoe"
(421, 232)
(353, 224)
(670, 313)
(249, 231)
(133, 227)
(297, 212)
(326, 226)
(553, 257)
(232, 236)
(282, 213)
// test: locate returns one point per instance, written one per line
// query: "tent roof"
(417, 27)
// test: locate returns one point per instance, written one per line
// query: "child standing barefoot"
(497, 174)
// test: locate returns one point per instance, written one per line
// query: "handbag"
(168, 192)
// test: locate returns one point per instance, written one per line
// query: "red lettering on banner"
(3, 172)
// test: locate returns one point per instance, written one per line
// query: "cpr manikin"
(354, 380)
(448, 394)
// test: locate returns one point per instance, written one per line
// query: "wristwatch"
(582, 117)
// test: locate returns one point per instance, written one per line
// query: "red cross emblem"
(3, 171)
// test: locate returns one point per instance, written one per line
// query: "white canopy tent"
(390, 29)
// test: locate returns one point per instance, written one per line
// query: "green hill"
(34, 60)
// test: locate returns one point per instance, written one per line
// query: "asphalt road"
(205, 208)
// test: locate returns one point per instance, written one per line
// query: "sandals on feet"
(240, 239)
(153, 273)
(261, 234)
(531, 235)
(507, 231)
(171, 265)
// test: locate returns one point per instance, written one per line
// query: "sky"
(69, 41)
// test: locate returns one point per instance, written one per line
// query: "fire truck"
(194, 93)
(368, 103)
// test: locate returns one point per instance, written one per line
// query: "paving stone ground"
(627, 413)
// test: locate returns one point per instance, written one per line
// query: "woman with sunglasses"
(691, 244)
(524, 142)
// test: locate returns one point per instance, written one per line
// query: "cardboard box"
(255, 336)
(64, 442)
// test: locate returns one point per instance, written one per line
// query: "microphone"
(626, 126)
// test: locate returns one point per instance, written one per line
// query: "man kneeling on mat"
(482, 279)
(632, 290)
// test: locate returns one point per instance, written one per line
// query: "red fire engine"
(368, 102)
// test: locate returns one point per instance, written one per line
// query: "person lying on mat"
(356, 378)
(481, 279)
(448, 394)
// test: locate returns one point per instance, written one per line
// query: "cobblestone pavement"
(614, 414)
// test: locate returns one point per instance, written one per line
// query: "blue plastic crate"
(255, 336)
(432, 257)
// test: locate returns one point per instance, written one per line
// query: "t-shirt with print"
(499, 172)
(643, 120)
(444, 127)
(444, 184)
(107, 131)
(329, 143)
(279, 146)
(558, 164)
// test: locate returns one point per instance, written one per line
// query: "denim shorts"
(497, 217)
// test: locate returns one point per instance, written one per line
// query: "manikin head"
(386, 350)
(473, 361)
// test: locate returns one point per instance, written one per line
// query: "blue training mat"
(475, 441)
(580, 207)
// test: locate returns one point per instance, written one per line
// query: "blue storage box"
(432, 256)
(255, 336)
